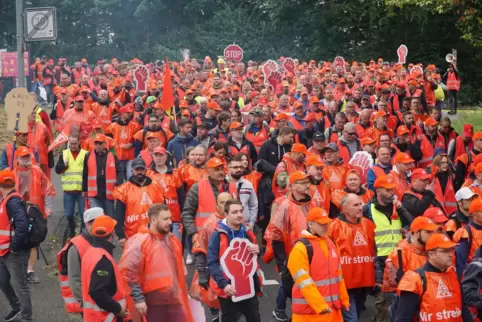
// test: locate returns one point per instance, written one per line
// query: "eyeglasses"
(351, 133)
(98, 143)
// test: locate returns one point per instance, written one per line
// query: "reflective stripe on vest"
(387, 235)
(110, 175)
(110, 317)
(72, 177)
(5, 228)
(328, 299)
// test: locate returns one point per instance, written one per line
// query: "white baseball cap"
(92, 213)
(464, 193)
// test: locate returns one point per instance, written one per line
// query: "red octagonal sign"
(233, 52)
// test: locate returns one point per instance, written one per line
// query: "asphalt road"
(48, 304)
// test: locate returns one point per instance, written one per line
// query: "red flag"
(167, 100)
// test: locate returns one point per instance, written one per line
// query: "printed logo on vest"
(145, 200)
(334, 177)
(359, 240)
(123, 134)
(442, 290)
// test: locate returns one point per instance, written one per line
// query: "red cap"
(214, 106)
(297, 104)
(214, 163)
(477, 136)
(385, 181)
(183, 103)
(468, 130)
(439, 241)
(124, 109)
(475, 205)
(300, 148)
(366, 141)
(151, 135)
(420, 174)
(263, 101)
(402, 85)
(309, 117)
(314, 99)
(22, 151)
(254, 94)
(159, 149)
(379, 114)
(436, 215)
(7, 176)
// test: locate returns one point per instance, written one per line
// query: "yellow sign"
(19, 103)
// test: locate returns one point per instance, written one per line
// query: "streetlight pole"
(20, 64)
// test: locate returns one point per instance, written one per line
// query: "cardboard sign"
(239, 265)
(233, 53)
(141, 77)
(19, 102)
(362, 161)
(402, 52)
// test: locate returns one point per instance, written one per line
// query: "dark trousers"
(249, 308)
(171, 313)
(453, 100)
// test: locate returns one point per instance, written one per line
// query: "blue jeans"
(357, 300)
(126, 166)
(70, 199)
(106, 204)
(281, 298)
(34, 87)
(48, 89)
(175, 230)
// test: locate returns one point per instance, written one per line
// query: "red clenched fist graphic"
(289, 65)
(239, 265)
(402, 52)
(274, 79)
(141, 76)
(269, 67)
(362, 161)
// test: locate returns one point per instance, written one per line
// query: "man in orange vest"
(431, 141)
(103, 291)
(462, 143)
(453, 87)
(7, 159)
(382, 167)
(101, 174)
(14, 255)
(288, 214)
(355, 237)
(79, 118)
(334, 170)
(463, 162)
(354, 185)
(469, 238)
(319, 188)
(227, 229)
(292, 161)
(433, 292)
(133, 199)
(461, 217)
(36, 188)
(318, 294)
(152, 266)
(123, 131)
(403, 164)
(40, 138)
(72, 254)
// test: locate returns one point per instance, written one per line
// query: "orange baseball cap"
(430, 121)
(423, 223)
(100, 138)
(420, 174)
(478, 168)
(477, 136)
(403, 158)
(300, 148)
(22, 151)
(97, 124)
(236, 126)
(159, 149)
(214, 106)
(314, 99)
(402, 129)
(183, 103)
(297, 175)
(314, 160)
(214, 163)
(151, 135)
(366, 141)
(318, 215)
(475, 205)
(439, 241)
(7, 176)
(436, 215)
(103, 226)
(385, 181)
(379, 114)
(281, 117)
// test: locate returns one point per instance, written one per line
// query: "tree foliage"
(306, 29)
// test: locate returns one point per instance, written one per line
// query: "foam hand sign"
(269, 67)
(239, 265)
(362, 161)
(141, 77)
(274, 79)
(402, 52)
(289, 65)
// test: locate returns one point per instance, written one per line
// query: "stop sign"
(233, 52)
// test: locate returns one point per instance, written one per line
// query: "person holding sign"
(232, 264)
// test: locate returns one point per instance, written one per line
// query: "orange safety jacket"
(77, 75)
(91, 312)
(40, 137)
(39, 186)
(402, 184)
(356, 243)
(453, 82)
(191, 174)
(338, 194)
(6, 231)
(110, 176)
(137, 201)
(447, 199)
(82, 245)
(169, 182)
(207, 202)
(259, 138)
(428, 148)
(60, 110)
(320, 195)
(254, 177)
(123, 134)
(335, 175)
(103, 112)
(288, 165)
(475, 237)
(461, 148)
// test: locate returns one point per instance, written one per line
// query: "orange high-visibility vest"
(110, 176)
(448, 199)
(6, 231)
(453, 82)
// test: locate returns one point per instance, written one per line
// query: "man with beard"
(133, 201)
(118, 94)
(183, 140)
(153, 126)
(246, 192)
(461, 217)
(319, 188)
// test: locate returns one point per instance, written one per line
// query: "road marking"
(270, 282)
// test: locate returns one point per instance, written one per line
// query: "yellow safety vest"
(38, 119)
(387, 235)
(439, 94)
(72, 177)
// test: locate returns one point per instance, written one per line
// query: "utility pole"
(20, 64)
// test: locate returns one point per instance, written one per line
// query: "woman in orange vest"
(353, 185)
(433, 292)
(318, 294)
(355, 237)
(103, 292)
(443, 185)
(152, 267)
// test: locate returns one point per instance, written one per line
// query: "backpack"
(393, 308)
(286, 277)
(37, 226)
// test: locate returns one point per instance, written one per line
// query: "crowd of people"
(240, 155)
